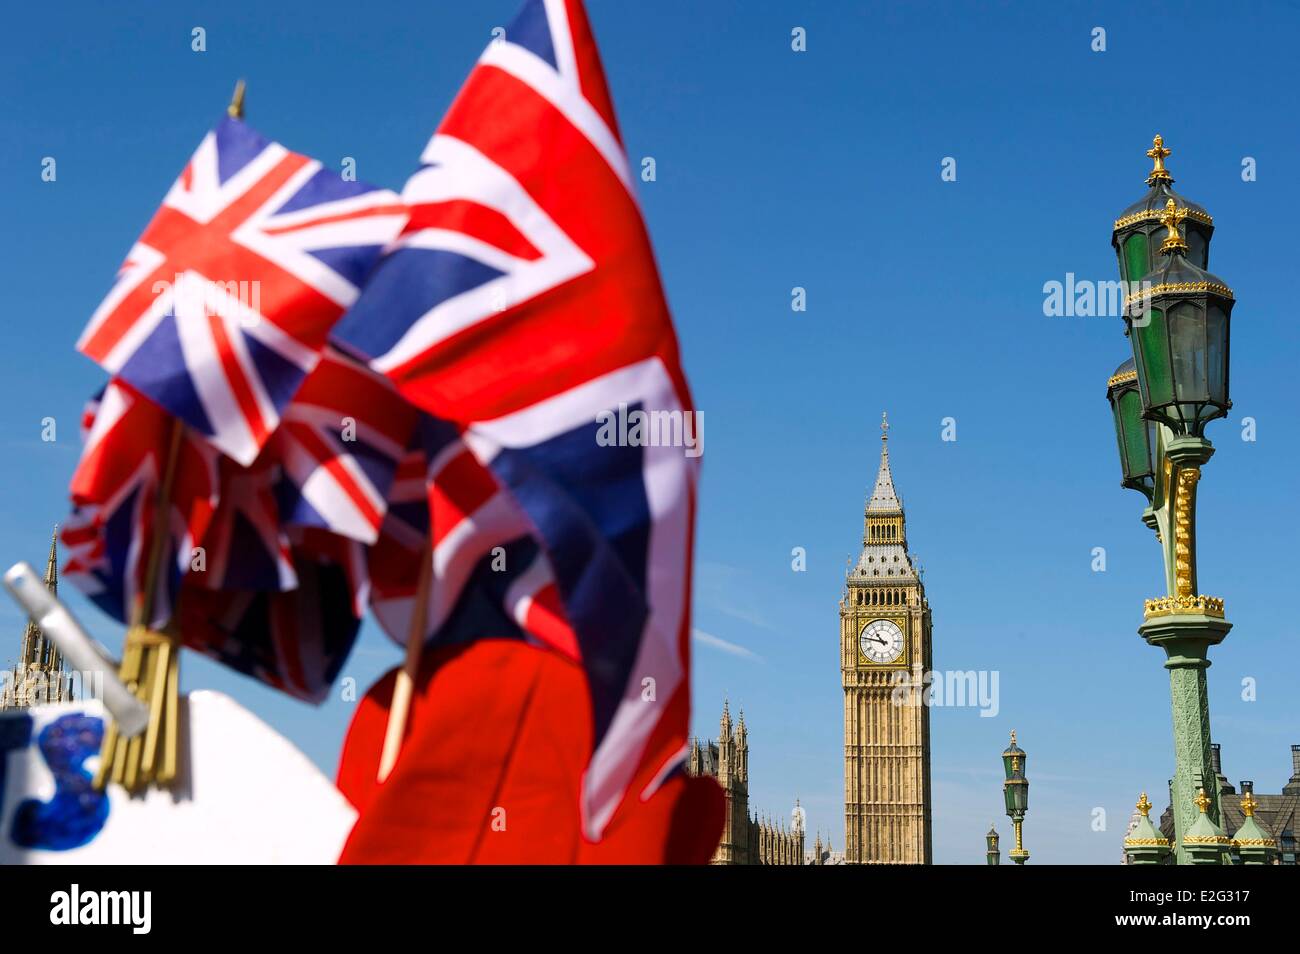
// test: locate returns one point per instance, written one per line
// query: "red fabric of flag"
(491, 766)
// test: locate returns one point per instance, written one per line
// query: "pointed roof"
(883, 497)
(52, 565)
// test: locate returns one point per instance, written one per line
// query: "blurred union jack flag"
(489, 575)
(520, 302)
(339, 446)
(114, 493)
(225, 301)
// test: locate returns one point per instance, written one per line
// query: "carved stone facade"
(745, 839)
(885, 633)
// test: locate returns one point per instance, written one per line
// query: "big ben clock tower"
(884, 654)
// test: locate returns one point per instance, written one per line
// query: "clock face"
(881, 641)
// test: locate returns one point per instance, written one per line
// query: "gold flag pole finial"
(1170, 219)
(1202, 801)
(236, 108)
(1158, 154)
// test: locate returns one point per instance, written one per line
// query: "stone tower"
(38, 676)
(746, 840)
(884, 653)
(733, 776)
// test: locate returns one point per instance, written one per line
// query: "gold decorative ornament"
(1122, 378)
(1184, 499)
(1171, 219)
(1155, 215)
(1143, 805)
(1179, 288)
(1184, 606)
(1202, 801)
(1248, 805)
(1158, 154)
(1206, 840)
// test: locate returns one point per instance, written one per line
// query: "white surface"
(245, 795)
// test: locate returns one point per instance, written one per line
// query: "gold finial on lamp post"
(1158, 154)
(1171, 218)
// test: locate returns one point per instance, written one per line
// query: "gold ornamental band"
(1179, 288)
(1155, 214)
(1184, 606)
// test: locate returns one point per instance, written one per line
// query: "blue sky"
(779, 169)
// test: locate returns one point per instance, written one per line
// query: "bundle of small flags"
(324, 397)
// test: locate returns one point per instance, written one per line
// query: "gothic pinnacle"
(52, 565)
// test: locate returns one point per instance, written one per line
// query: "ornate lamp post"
(1178, 322)
(1015, 792)
(991, 840)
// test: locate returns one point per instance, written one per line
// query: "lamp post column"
(1185, 625)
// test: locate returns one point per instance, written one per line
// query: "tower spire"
(883, 495)
(52, 565)
(35, 651)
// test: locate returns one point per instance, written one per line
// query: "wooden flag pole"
(404, 688)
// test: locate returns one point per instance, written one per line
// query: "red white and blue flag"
(488, 573)
(115, 495)
(520, 303)
(224, 303)
(295, 640)
(339, 445)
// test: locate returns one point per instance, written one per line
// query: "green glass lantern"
(1136, 435)
(1179, 323)
(1015, 790)
(992, 853)
(1138, 232)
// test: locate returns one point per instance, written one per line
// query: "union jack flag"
(247, 546)
(296, 640)
(114, 492)
(338, 447)
(224, 303)
(521, 302)
(488, 573)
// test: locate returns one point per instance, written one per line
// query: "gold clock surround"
(898, 619)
